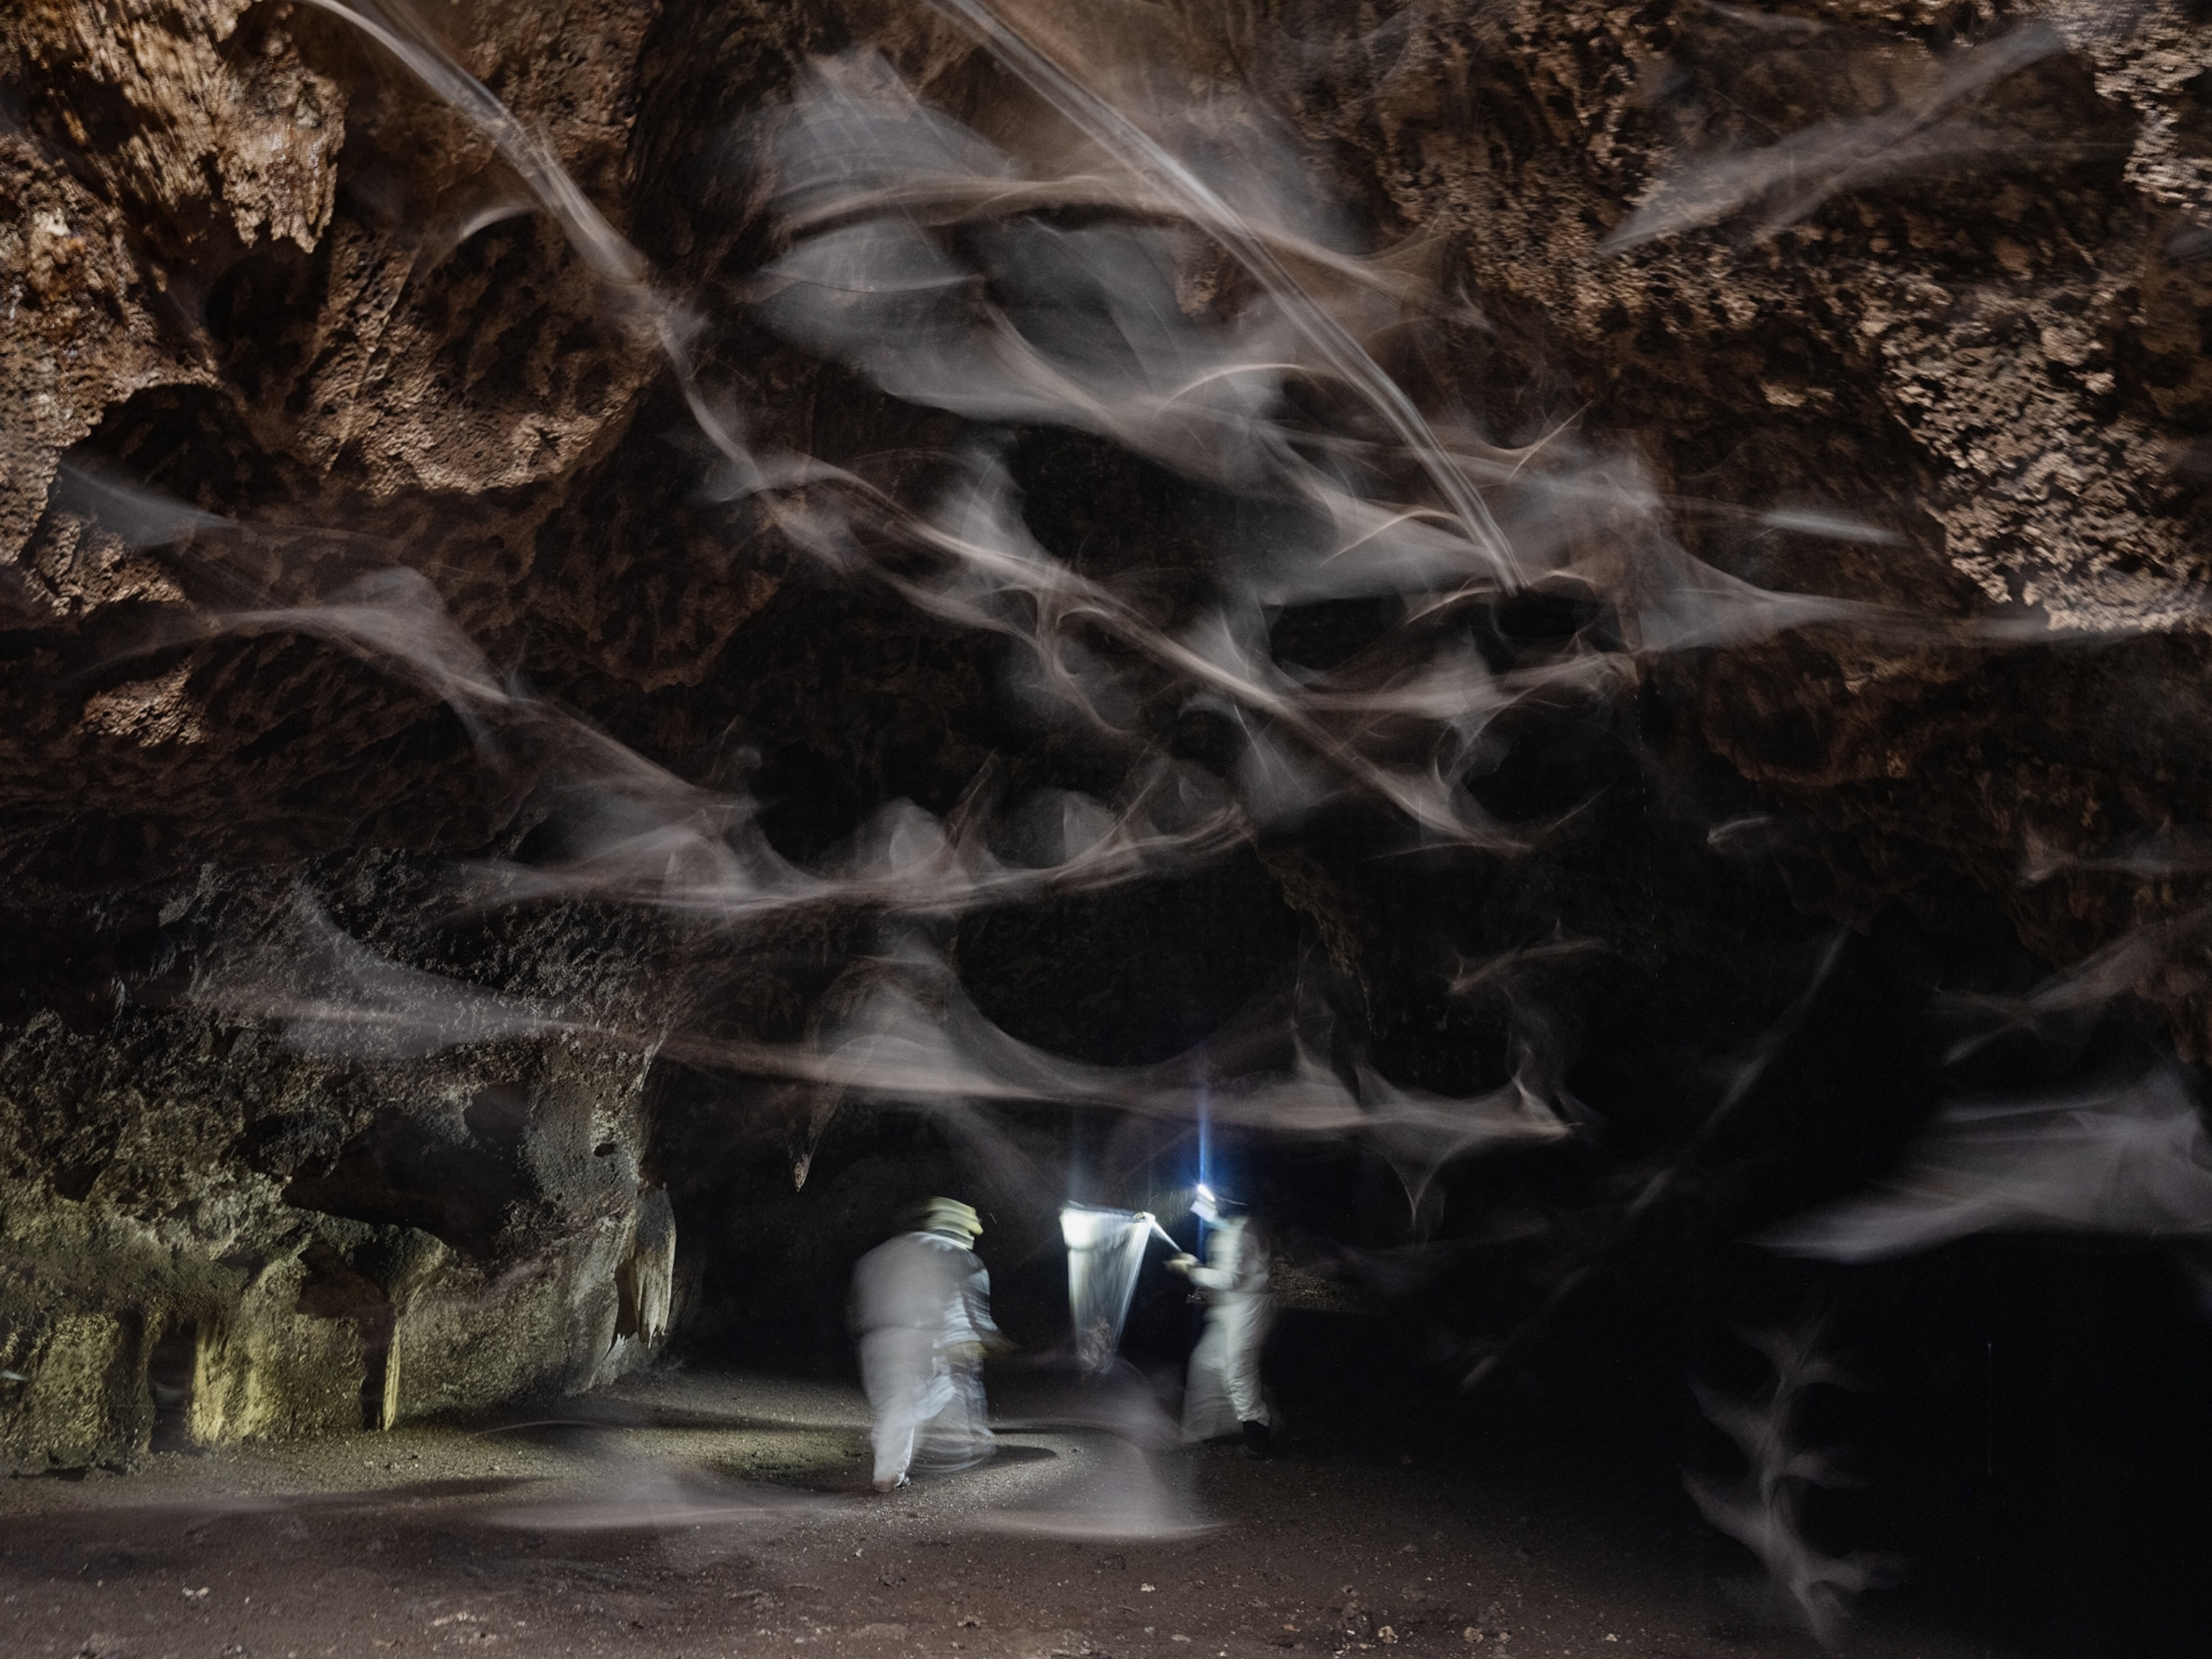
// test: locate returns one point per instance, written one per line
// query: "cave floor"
(700, 1513)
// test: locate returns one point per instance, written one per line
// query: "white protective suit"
(921, 1310)
(1223, 1390)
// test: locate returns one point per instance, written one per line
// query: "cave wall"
(212, 1236)
(1994, 353)
(225, 225)
(247, 263)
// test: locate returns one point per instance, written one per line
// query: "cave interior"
(1562, 645)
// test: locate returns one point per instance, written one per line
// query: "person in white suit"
(922, 1311)
(1222, 1396)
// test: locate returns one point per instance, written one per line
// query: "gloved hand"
(1183, 1263)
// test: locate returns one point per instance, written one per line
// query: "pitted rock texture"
(1986, 338)
(210, 1235)
(247, 259)
(248, 262)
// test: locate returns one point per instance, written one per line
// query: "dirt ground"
(695, 1513)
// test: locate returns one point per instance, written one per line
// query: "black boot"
(1258, 1442)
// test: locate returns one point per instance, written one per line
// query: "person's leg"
(1207, 1413)
(959, 1436)
(1245, 1333)
(974, 1409)
(894, 1372)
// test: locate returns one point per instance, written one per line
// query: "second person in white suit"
(1222, 1396)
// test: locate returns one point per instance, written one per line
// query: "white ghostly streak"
(1127, 141)
(1419, 1133)
(136, 515)
(1080, 322)
(662, 1500)
(1130, 1488)
(1090, 331)
(625, 272)
(1768, 23)
(395, 620)
(1762, 1511)
(642, 836)
(637, 834)
(916, 1039)
(1796, 174)
(1831, 526)
(1080, 327)
(2164, 852)
(1502, 973)
(991, 558)
(2130, 1160)
(2081, 992)
(331, 995)
(601, 245)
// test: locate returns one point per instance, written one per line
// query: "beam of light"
(1205, 1103)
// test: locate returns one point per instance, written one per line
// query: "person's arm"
(982, 1335)
(1210, 1277)
(1230, 1267)
(978, 1291)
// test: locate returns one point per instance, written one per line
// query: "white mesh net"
(1105, 1250)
